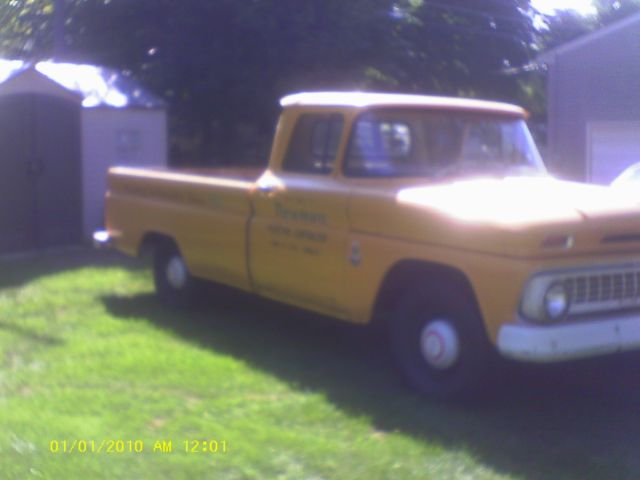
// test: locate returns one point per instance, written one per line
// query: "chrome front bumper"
(102, 240)
(603, 335)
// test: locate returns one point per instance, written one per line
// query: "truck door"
(299, 229)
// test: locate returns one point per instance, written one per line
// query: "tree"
(612, 10)
(563, 27)
(567, 25)
(224, 63)
(25, 28)
(459, 48)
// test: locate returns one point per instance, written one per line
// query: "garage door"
(613, 146)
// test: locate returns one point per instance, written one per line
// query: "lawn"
(90, 360)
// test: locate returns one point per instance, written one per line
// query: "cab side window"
(314, 144)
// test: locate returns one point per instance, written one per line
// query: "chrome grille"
(609, 289)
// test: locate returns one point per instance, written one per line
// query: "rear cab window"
(314, 144)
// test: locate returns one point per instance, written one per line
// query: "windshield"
(440, 145)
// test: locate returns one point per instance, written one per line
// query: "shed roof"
(587, 39)
(365, 99)
(97, 86)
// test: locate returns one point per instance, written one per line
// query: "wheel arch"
(405, 273)
(153, 239)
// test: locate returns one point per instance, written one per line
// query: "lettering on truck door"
(299, 229)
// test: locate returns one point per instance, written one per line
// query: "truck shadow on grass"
(575, 421)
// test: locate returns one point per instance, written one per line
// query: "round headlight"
(556, 301)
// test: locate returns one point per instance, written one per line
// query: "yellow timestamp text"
(137, 446)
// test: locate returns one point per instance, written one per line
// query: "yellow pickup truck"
(433, 216)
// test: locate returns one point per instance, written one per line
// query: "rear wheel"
(439, 342)
(175, 286)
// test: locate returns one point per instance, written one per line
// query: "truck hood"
(519, 216)
(516, 201)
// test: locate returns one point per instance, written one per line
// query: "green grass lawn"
(88, 355)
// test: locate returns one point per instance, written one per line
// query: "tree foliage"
(563, 27)
(223, 63)
(612, 10)
(567, 25)
(25, 28)
(460, 48)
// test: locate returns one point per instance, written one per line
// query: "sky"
(547, 6)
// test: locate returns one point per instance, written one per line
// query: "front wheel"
(175, 286)
(439, 342)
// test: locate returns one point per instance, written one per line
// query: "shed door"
(612, 147)
(58, 180)
(17, 200)
(40, 203)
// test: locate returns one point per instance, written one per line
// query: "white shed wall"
(117, 137)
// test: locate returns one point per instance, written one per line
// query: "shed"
(594, 103)
(61, 126)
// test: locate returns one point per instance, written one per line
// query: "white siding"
(117, 137)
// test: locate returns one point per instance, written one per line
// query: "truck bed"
(205, 210)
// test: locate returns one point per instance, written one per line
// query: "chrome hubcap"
(176, 272)
(439, 344)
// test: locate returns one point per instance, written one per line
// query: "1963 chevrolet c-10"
(434, 216)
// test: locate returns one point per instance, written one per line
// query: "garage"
(612, 147)
(61, 127)
(593, 94)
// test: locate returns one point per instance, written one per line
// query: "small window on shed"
(314, 144)
(128, 142)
